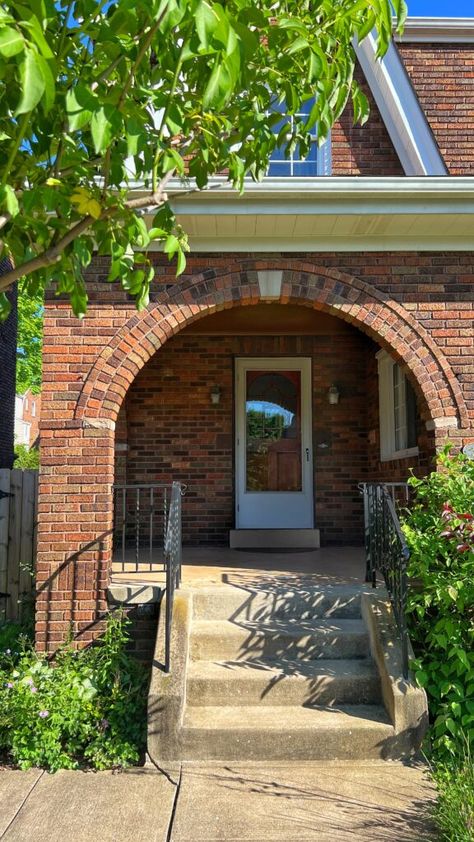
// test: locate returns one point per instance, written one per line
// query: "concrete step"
(308, 683)
(310, 640)
(269, 733)
(274, 539)
(276, 602)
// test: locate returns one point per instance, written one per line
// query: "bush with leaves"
(26, 458)
(88, 708)
(439, 529)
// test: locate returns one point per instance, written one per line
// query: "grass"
(454, 809)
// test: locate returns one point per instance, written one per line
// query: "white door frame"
(274, 509)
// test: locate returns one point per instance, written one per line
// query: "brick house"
(321, 336)
(27, 418)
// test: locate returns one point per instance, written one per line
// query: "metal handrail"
(140, 516)
(173, 555)
(387, 551)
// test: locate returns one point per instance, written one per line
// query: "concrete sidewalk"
(383, 801)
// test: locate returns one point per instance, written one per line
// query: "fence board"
(17, 539)
(4, 512)
(14, 536)
(27, 534)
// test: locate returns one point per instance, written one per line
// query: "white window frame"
(323, 155)
(388, 449)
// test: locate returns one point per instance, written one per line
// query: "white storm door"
(274, 465)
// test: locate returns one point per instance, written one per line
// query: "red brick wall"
(443, 78)
(363, 150)
(175, 433)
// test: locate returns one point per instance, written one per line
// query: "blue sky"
(440, 8)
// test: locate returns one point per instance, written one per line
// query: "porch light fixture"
(215, 395)
(333, 395)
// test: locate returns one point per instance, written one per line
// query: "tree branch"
(48, 257)
(52, 254)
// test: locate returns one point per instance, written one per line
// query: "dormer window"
(318, 160)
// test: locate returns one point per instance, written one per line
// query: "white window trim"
(386, 412)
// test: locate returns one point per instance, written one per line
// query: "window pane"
(410, 399)
(399, 408)
(273, 445)
(279, 168)
(295, 165)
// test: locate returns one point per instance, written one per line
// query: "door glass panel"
(273, 424)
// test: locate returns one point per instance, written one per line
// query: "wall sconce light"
(215, 395)
(333, 395)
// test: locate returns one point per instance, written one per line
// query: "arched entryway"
(82, 442)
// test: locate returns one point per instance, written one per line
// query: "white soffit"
(329, 214)
(400, 109)
(437, 31)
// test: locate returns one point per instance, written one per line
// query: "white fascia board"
(400, 109)
(437, 31)
(325, 195)
(299, 245)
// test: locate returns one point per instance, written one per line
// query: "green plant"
(454, 808)
(26, 458)
(86, 708)
(439, 530)
(14, 635)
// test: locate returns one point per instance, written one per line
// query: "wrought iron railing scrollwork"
(387, 552)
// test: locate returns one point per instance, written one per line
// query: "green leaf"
(219, 86)
(49, 83)
(5, 307)
(206, 21)
(300, 43)
(181, 262)
(32, 82)
(10, 200)
(101, 130)
(11, 41)
(421, 677)
(80, 103)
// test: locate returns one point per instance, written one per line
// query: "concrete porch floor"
(204, 566)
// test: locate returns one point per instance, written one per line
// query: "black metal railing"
(147, 537)
(387, 552)
(173, 563)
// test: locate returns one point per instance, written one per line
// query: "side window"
(317, 162)
(397, 411)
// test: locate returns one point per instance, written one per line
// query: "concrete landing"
(221, 566)
(383, 802)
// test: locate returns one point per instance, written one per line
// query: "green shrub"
(86, 709)
(440, 533)
(26, 458)
(454, 809)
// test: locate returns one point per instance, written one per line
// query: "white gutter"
(437, 30)
(324, 194)
(400, 109)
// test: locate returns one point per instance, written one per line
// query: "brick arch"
(334, 292)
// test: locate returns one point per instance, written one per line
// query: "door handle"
(307, 454)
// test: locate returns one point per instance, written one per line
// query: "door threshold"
(274, 539)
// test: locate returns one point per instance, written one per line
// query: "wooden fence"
(18, 519)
